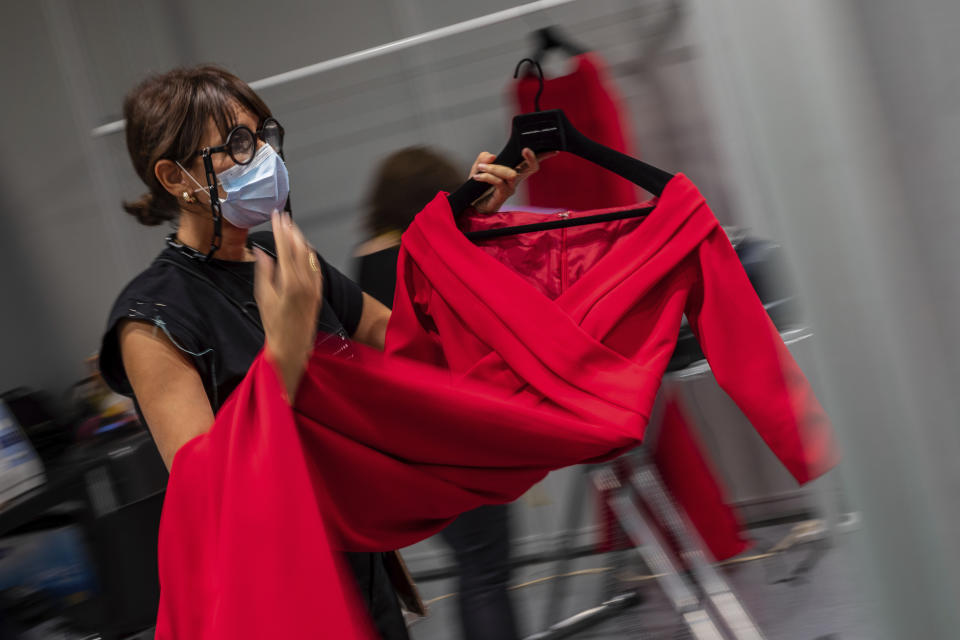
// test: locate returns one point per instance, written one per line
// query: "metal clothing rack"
(380, 50)
(699, 593)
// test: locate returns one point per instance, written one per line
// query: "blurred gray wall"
(68, 248)
(841, 123)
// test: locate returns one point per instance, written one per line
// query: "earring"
(188, 197)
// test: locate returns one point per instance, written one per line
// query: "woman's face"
(221, 160)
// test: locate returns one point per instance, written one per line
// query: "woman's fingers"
(306, 263)
(298, 254)
(281, 236)
(484, 157)
(314, 261)
(530, 163)
(506, 174)
(264, 268)
(294, 269)
(264, 287)
(504, 180)
(289, 295)
(529, 166)
(491, 179)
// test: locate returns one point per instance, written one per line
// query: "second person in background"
(403, 184)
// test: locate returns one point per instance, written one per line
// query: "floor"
(808, 592)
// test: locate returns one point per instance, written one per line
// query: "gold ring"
(313, 262)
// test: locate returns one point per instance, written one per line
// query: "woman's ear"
(172, 178)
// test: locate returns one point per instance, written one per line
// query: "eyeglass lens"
(272, 134)
(242, 145)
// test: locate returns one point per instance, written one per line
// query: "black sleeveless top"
(208, 311)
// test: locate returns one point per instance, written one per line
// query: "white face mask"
(254, 190)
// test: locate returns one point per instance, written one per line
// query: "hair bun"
(147, 212)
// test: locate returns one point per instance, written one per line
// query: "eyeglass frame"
(257, 135)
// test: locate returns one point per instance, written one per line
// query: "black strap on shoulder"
(202, 278)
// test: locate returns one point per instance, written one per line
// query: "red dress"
(375, 456)
(380, 453)
(586, 319)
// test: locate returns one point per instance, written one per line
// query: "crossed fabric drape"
(586, 320)
(375, 455)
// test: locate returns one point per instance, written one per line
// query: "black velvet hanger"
(544, 131)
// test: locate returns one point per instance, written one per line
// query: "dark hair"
(166, 116)
(405, 182)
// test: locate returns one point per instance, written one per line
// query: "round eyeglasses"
(241, 142)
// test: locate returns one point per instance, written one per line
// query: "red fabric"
(597, 343)
(376, 456)
(590, 101)
(243, 550)
(683, 468)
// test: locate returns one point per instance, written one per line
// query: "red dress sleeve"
(412, 334)
(752, 364)
(244, 551)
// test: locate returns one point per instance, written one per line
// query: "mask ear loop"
(214, 196)
(200, 187)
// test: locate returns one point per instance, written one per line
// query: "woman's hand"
(504, 180)
(289, 293)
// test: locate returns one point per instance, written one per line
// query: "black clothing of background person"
(377, 273)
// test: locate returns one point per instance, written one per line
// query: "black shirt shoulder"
(341, 293)
(163, 296)
(208, 310)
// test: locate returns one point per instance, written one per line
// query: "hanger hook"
(516, 72)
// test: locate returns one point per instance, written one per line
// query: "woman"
(404, 182)
(183, 333)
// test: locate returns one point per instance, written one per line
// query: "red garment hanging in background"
(586, 319)
(692, 482)
(686, 472)
(590, 101)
